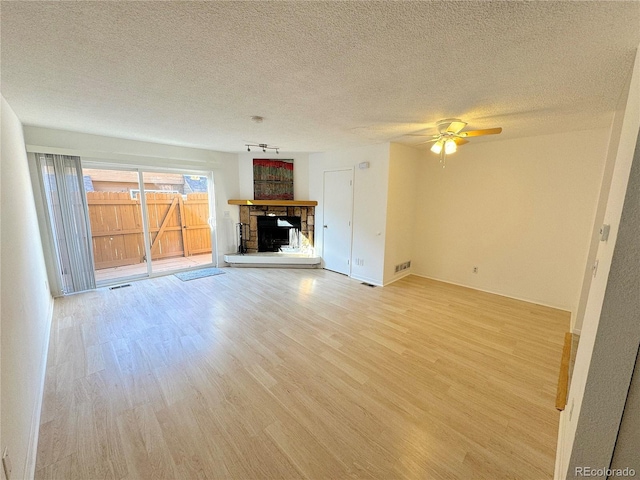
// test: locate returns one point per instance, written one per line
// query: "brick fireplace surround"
(248, 214)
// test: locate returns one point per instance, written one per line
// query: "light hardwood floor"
(270, 373)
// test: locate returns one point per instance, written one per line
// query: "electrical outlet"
(6, 463)
(475, 269)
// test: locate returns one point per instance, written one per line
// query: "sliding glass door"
(179, 224)
(112, 224)
(116, 220)
(147, 222)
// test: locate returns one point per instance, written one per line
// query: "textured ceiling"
(324, 75)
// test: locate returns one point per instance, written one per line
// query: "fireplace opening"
(276, 234)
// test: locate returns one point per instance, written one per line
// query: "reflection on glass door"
(178, 216)
(115, 216)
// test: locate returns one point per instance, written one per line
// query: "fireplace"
(278, 233)
(251, 214)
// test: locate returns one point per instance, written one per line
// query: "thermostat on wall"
(363, 165)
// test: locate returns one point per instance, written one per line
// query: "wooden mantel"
(283, 203)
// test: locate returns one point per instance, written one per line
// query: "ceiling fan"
(450, 135)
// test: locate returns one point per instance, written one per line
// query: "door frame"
(324, 172)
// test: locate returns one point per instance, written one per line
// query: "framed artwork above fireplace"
(272, 179)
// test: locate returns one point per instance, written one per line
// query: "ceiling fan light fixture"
(450, 146)
(437, 147)
(451, 134)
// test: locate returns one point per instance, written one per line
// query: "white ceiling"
(324, 75)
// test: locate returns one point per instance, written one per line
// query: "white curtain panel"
(61, 177)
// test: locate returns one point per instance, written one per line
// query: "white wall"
(369, 204)
(401, 209)
(589, 359)
(26, 303)
(144, 154)
(300, 173)
(520, 210)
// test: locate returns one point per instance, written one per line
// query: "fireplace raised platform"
(273, 259)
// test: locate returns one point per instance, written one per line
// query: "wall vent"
(403, 266)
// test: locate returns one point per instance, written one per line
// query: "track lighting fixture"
(263, 146)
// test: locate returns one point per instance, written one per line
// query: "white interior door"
(337, 228)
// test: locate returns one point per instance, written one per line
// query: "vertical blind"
(63, 185)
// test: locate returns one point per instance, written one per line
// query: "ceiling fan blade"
(460, 141)
(426, 141)
(421, 135)
(478, 133)
(455, 127)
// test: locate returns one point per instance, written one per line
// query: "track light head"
(248, 149)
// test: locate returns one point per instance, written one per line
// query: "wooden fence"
(178, 227)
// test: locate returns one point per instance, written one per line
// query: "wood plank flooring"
(273, 373)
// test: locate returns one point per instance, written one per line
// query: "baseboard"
(399, 277)
(367, 280)
(32, 451)
(528, 300)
